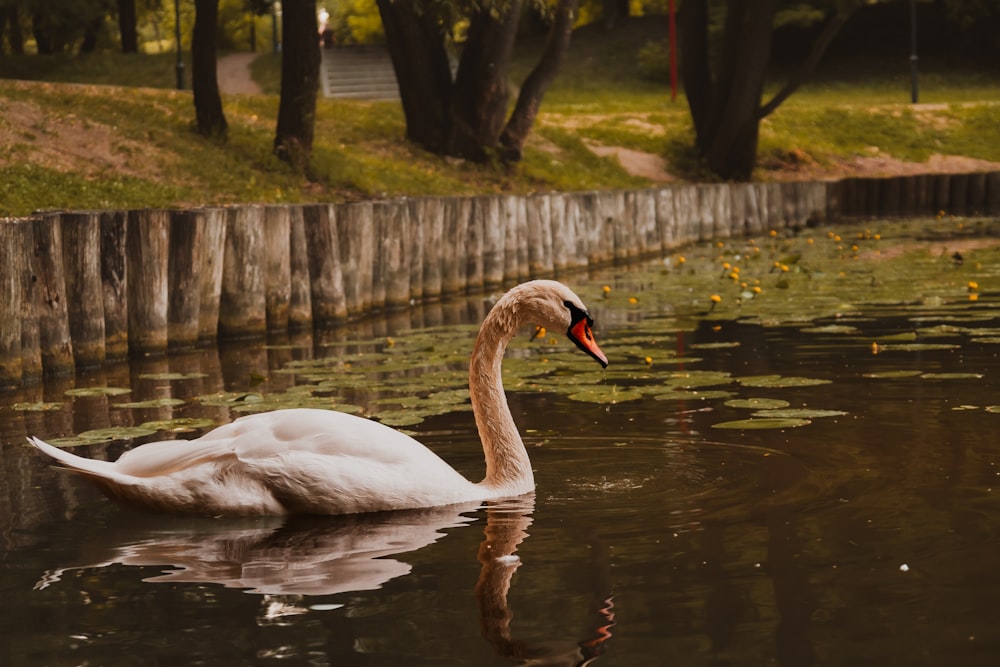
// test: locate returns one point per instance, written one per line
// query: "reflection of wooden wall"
(77, 288)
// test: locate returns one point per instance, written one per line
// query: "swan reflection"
(297, 556)
(289, 561)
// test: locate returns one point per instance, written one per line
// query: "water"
(869, 536)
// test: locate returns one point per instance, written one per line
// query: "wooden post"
(394, 255)
(357, 251)
(184, 264)
(588, 230)
(415, 249)
(474, 242)
(326, 279)
(53, 317)
(738, 196)
(613, 232)
(976, 196)
(992, 206)
(516, 240)
(277, 267)
(81, 236)
(494, 240)
(646, 227)
(114, 283)
(688, 218)
(213, 252)
(958, 195)
(430, 217)
(147, 269)
(31, 342)
(538, 225)
(666, 218)
(300, 298)
(562, 232)
(242, 303)
(756, 209)
(13, 265)
(451, 252)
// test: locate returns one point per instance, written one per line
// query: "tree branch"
(832, 27)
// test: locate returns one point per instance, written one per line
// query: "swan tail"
(96, 470)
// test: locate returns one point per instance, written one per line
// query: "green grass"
(137, 147)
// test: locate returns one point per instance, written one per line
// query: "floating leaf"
(173, 376)
(693, 395)
(97, 391)
(39, 406)
(952, 376)
(832, 329)
(995, 409)
(606, 395)
(918, 347)
(117, 433)
(757, 403)
(715, 346)
(152, 403)
(891, 375)
(798, 413)
(779, 382)
(762, 423)
(179, 425)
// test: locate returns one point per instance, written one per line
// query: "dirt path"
(234, 74)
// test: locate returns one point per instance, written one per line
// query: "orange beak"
(581, 334)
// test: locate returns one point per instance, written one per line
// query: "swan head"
(556, 307)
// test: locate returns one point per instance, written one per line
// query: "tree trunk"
(480, 96)
(211, 121)
(299, 82)
(14, 35)
(725, 104)
(423, 72)
(91, 33)
(530, 98)
(127, 26)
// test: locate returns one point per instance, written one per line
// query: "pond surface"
(793, 458)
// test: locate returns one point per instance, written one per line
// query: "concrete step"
(358, 72)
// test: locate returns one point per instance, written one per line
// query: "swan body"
(308, 461)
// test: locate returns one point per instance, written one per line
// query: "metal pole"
(177, 39)
(914, 85)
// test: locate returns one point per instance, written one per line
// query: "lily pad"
(606, 395)
(81, 392)
(952, 376)
(757, 403)
(179, 425)
(152, 403)
(779, 382)
(891, 375)
(832, 329)
(715, 346)
(38, 406)
(117, 433)
(995, 409)
(918, 347)
(762, 423)
(798, 413)
(173, 376)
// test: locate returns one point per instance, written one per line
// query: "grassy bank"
(107, 131)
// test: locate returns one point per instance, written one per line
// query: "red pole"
(673, 53)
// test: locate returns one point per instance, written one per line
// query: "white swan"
(303, 461)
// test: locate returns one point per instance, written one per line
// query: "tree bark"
(127, 26)
(533, 89)
(479, 101)
(725, 103)
(423, 72)
(210, 119)
(300, 61)
(15, 38)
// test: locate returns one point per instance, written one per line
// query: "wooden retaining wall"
(78, 288)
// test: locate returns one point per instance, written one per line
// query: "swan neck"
(508, 468)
